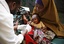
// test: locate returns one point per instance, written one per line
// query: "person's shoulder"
(41, 22)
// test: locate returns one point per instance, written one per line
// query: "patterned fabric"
(49, 35)
(38, 32)
(41, 38)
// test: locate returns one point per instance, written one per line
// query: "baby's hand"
(29, 22)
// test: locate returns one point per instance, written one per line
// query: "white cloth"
(26, 27)
(38, 32)
(7, 35)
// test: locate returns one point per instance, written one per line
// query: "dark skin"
(39, 8)
(13, 7)
(25, 19)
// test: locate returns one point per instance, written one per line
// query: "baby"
(37, 24)
(40, 30)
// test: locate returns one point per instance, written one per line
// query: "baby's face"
(39, 8)
(35, 20)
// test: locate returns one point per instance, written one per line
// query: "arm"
(7, 35)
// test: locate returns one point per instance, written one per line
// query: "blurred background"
(59, 5)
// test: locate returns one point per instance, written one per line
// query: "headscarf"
(39, 2)
(49, 16)
(34, 16)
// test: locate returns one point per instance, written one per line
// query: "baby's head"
(35, 18)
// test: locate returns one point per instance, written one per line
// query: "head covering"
(34, 16)
(50, 17)
(39, 2)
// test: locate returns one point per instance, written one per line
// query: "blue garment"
(39, 2)
(58, 41)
